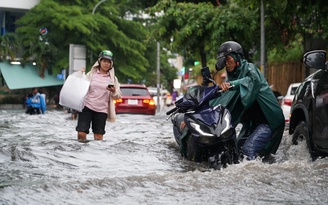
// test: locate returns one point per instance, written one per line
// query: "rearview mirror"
(206, 75)
(205, 72)
(315, 59)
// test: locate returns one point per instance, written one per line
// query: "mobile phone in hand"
(110, 85)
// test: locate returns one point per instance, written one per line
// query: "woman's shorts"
(89, 117)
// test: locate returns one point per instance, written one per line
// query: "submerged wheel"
(302, 133)
(229, 155)
(194, 150)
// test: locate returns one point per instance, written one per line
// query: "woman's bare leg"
(98, 136)
(81, 136)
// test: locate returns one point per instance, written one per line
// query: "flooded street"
(139, 163)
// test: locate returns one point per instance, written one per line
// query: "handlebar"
(176, 109)
(230, 88)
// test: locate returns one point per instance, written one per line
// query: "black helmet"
(106, 54)
(225, 49)
(229, 47)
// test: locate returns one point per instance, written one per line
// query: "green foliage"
(292, 52)
(9, 46)
(168, 72)
(195, 29)
(71, 22)
(289, 25)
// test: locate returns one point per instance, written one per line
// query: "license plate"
(132, 102)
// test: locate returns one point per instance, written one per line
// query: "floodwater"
(41, 162)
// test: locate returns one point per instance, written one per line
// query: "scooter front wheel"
(194, 150)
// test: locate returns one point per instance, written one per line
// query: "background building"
(11, 10)
(16, 81)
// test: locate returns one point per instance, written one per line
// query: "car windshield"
(134, 92)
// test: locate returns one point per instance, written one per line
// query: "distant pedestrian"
(35, 103)
(174, 96)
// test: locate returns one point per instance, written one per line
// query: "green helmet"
(107, 54)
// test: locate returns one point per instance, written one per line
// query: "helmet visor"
(221, 63)
(107, 57)
(106, 54)
(221, 54)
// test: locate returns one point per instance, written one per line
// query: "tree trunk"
(203, 55)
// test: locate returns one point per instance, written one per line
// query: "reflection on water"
(139, 163)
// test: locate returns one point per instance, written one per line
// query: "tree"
(72, 22)
(43, 53)
(198, 27)
(292, 27)
(9, 46)
(197, 30)
(168, 73)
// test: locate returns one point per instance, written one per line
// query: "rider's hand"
(182, 125)
(225, 86)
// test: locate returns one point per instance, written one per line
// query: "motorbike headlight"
(227, 124)
(199, 130)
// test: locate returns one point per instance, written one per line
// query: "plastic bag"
(74, 91)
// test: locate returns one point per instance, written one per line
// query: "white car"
(288, 99)
(164, 99)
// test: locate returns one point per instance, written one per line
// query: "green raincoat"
(251, 86)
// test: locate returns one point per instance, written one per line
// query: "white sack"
(74, 91)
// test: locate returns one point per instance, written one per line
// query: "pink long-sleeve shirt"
(98, 96)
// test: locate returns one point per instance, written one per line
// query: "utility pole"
(262, 41)
(93, 12)
(158, 78)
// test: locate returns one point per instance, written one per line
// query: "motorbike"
(208, 134)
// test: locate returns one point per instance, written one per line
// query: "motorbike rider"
(35, 103)
(251, 103)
